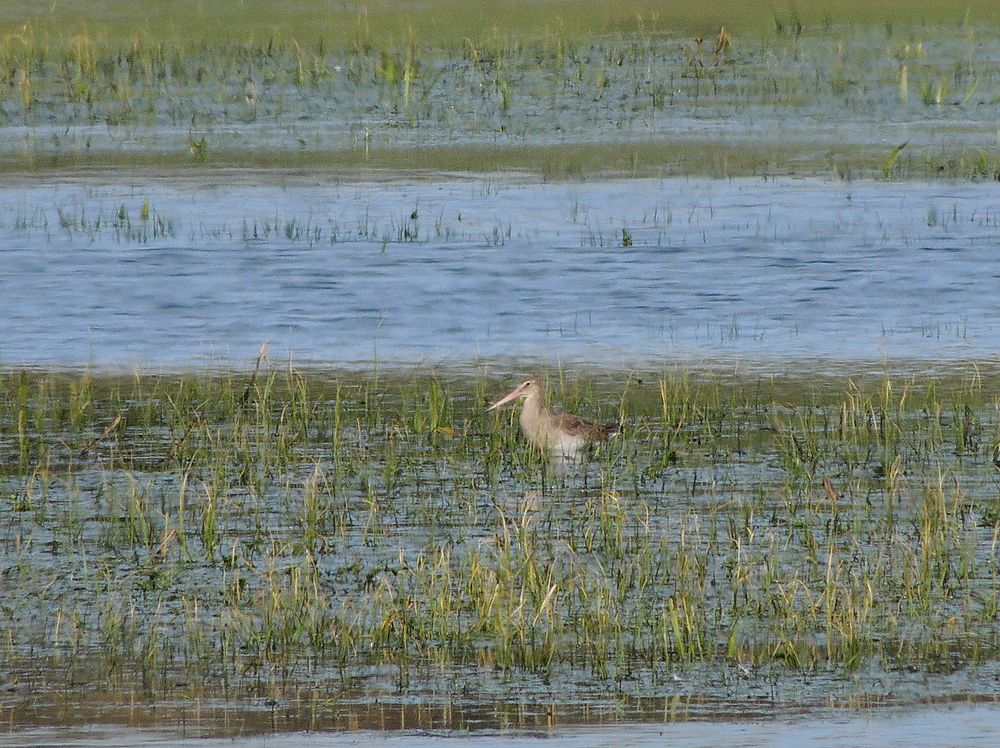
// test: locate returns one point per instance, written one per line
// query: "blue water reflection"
(126, 270)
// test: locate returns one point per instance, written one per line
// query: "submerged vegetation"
(316, 540)
(565, 90)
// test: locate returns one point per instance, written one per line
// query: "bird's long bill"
(507, 398)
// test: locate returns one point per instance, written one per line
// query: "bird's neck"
(532, 412)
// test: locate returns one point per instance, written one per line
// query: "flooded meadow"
(258, 292)
(737, 91)
(297, 549)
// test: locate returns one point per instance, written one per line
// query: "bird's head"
(528, 387)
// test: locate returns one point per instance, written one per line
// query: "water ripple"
(794, 268)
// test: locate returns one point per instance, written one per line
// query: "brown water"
(959, 724)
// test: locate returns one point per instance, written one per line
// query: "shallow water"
(937, 725)
(459, 268)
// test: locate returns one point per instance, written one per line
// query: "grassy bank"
(443, 21)
(312, 540)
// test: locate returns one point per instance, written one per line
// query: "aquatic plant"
(285, 529)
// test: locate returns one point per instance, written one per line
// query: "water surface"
(950, 724)
(119, 269)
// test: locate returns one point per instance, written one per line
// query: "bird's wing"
(575, 425)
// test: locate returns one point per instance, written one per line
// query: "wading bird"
(562, 435)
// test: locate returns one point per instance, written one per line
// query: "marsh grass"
(244, 535)
(595, 90)
(439, 21)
